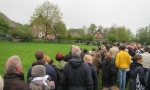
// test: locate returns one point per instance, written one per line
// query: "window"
(40, 27)
(34, 27)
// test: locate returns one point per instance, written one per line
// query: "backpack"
(113, 70)
(139, 86)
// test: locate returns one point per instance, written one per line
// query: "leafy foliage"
(23, 32)
(4, 26)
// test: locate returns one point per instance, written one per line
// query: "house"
(76, 32)
(98, 35)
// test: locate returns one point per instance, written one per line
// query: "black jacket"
(136, 68)
(94, 76)
(13, 81)
(108, 79)
(77, 75)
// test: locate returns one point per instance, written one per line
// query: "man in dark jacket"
(49, 69)
(77, 74)
(14, 78)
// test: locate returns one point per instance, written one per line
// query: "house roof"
(11, 23)
(100, 32)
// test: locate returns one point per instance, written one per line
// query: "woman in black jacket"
(137, 74)
(108, 69)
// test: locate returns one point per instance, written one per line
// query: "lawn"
(26, 52)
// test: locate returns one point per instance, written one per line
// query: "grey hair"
(76, 51)
(1, 83)
(12, 63)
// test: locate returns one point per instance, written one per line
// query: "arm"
(95, 79)
(29, 73)
(117, 60)
(142, 76)
(88, 77)
(64, 78)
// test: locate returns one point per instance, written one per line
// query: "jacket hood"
(60, 65)
(38, 71)
(75, 62)
(134, 65)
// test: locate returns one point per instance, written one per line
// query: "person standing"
(137, 74)
(146, 63)
(77, 73)
(122, 63)
(1, 83)
(108, 71)
(14, 77)
(114, 50)
(39, 54)
(88, 58)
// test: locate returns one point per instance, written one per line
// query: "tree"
(112, 37)
(60, 28)
(4, 26)
(48, 15)
(23, 32)
(122, 34)
(92, 28)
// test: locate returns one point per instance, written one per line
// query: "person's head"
(93, 49)
(122, 47)
(85, 50)
(47, 59)
(137, 58)
(13, 65)
(38, 71)
(39, 54)
(1, 83)
(59, 56)
(115, 44)
(108, 56)
(88, 58)
(146, 49)
(76, 51)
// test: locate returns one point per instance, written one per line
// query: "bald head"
(12, 63)
(76, 51)
(39, 54)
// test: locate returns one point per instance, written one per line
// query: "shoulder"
(22, 85)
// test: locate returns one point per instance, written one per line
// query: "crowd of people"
(80, 69)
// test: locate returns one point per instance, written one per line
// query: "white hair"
(1, 83)
(12, 63)
(76, 51)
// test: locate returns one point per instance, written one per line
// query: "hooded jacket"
(59, 66)
(136, 68)
(39, 71)
(14, 81)
(77, 75)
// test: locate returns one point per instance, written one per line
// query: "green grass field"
(26, 52)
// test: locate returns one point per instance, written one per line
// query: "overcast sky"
(132, 14)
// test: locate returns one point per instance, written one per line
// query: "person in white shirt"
(146, 62)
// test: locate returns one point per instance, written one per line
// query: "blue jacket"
(94, 76)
